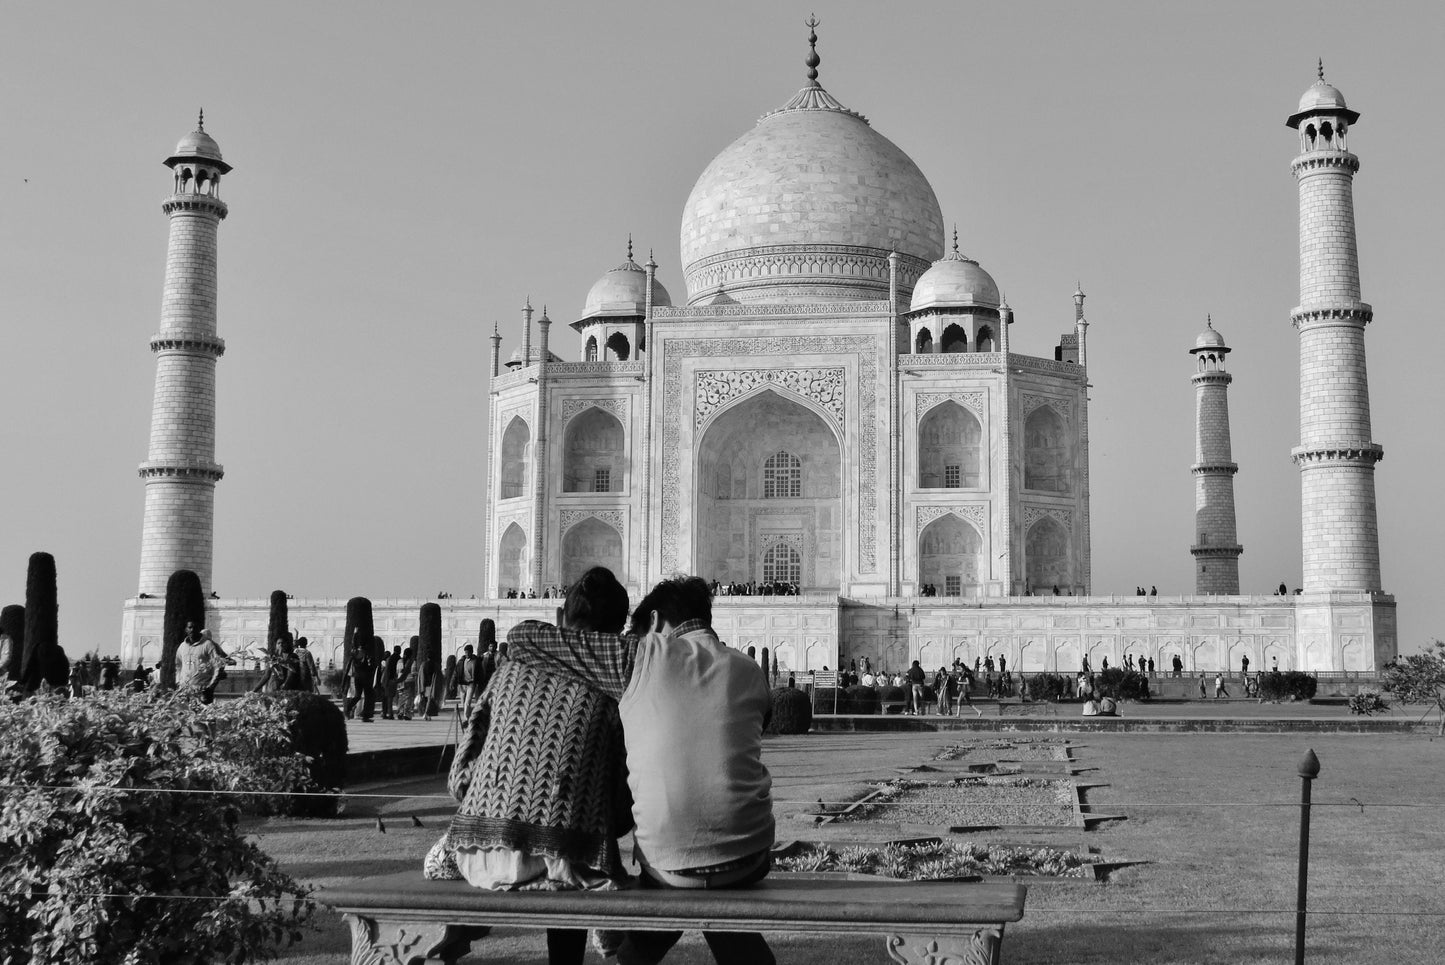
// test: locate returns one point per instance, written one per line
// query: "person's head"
(596, 602)
(301, 642)
(467, 650)
(190, 627)
(675, 601)
(915, 663)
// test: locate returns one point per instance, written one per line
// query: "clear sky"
(405, 174)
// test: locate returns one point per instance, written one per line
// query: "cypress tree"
(42, 632)
(766, 669)
(185, 603)
(359, 627)
(12, 623)
(276, 627)
(431, 656)
(486, 635)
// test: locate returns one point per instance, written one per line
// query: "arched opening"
(1310, 135)
(949, 448)
(594, 457)
(516, 446)
(769, 472)
(1046, 452)
(1046, 557)
(924, 343)
(950, 555)
(955, 339)
(984, 342)
(591, 543)
(512, 560)
(782, 563)
(618, 347)
(1326, 131)
(589, 353)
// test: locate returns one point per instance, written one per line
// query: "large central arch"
(769, 473)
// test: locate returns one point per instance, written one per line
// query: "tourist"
(1219, 690)
(869, 680)
(406, 682)
(692, 713)
(1244, 666)
(1091, 708)
(1203, 691)
(916, 676)
(468, 674)
(306, 664)
(79, 673)
(1178, 665)
(539, 773)
(360, 671)
(1108, 707)
(198, 663)
(942, 684)
(1151, 666)
(386, 682)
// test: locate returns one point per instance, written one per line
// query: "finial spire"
(813, 59)
(1209, 322)
(201, 120)
(629, 246)
(496, 329)
(1322, 70)
(651, 262)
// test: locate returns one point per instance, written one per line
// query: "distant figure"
(1244, 665)
(1219, 690)
(1151, 666)
(1178, 666)
(1153, 591)
(1283, 590)
(1203, 690)
(1274, 664)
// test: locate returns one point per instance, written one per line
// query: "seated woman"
(1091, 709)
(539, 774)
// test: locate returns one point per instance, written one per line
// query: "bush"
(1121, 684)
(859, 699)
(1289, 685)
(277, 627)
(185, 603)
(12, 623)
(1367, 702)
(335, 681)
(430, 656)
(42, 635)
(359, 628)
(792, 712)
(318, 731)
(1048, 686)
(825, 699)
(101, 871)
(891, 694)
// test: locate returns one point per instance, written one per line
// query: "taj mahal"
(832, 404)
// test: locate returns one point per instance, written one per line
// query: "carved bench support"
(983, 947)
(388, 942)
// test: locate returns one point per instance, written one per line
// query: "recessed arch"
(590, 543)
(950, 442)
(1047, 452)
(984, 342)
(923, 344)
(950, 556)
(512, 560)
(594, 457)
(618, 347)
(516, 450)
(1046, 556)
(954, 339)
(589, 351)
(782, 563)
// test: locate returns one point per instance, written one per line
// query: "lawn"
(1213, 818)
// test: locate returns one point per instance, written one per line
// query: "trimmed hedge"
(12, 623)
(891, 694)
(1048, 686)
(317, 730)
(1289, 685)
(792, 712)
(1121, 684)
(42, 634)
(861, 700)
(277, 626)
(826, 698)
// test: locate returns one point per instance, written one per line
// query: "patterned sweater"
(540, 769)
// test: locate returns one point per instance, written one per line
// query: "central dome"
(806, 207)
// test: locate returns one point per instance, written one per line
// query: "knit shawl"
(538, 769)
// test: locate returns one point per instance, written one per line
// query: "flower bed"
(1023, 749)
(972, 802)
(937, 860)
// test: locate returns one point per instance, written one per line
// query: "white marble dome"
(955, 281)
(1209, 339)
(623, 291)
(806, 206)
(1322, 97)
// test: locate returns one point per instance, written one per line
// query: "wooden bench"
(404, 919)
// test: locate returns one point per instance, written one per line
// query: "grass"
(1214, 817)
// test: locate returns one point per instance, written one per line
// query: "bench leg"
(983, 947)
(383, 942)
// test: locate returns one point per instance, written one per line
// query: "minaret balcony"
(1345, 454)
(1214, 468)
(182, 470)
(199, 203)
(196, 343)
(1230, 551)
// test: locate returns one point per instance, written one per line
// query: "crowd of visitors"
(756, 588)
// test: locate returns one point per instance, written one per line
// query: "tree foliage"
(359, 627)
(277, 626)
(792, 712)
(102, 859)
(42, 630)
(1419, 678)
(185, 603)
(430, 656)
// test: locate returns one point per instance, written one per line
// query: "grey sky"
(407, 173)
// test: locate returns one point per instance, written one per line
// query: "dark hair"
(596, 602)
(676, 601)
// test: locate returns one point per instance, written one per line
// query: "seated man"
(538, 774)
(692, 713)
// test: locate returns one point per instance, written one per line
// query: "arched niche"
(1046, 555)
(594, 457)
(590, 543)
(512, 560)
(1047, 452)
(984, 341)
(589, 351)
(954, 339)
(950, 441)
(618, 347)
(923, 344)
(737, 517)
(950, 556)
(782, 563)
(516, 448)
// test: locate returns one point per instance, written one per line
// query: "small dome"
(1322, 97)
(955, 281)
(1209, 340)
(198, 145)
(623, 292)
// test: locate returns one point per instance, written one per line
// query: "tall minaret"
(1216, 554)
(1336, 455)
(180, 470)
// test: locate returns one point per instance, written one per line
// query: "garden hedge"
(792, 712)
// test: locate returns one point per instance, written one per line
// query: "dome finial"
(629, 246)
(1321, 70)
(1209, 322)
(813, 59)
(955, 237)
(201, 120)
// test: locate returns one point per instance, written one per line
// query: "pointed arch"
(923, 344)
(511, 560)
(950, 556)
(590, 543)
(950, 448)
(516, 450)
(594, 453)
(984, 341)
(1047, 452)
(589, 351)
(618, 347)
(954, 339)
(1046, 556)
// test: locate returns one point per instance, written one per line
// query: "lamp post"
(1309, 769)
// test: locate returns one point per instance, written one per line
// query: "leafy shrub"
(1367, 702)
(859, 699)
(277, 626)
(892, 695)
(825, 699)
(318, 730)
(101, 862)
(12, 623)
(1121, 684)
(1420, 678)
(1289, 685)
(792, 712)
(1048, 686)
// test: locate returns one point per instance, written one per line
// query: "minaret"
(1081, 325)
(496, 350)
(1336, 455)
(1216, 554)
(180, 470)
(527, 333)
